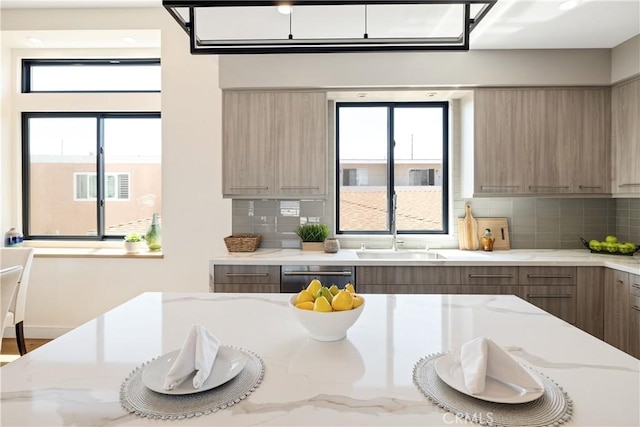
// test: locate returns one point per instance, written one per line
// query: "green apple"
(595, 245)
(611, 239)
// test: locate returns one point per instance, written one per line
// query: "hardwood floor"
(10, 351)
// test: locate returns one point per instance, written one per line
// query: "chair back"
(24, 257)
(9, 278)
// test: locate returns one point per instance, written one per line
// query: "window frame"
(101, 199)
(29, 63)
(390, 105)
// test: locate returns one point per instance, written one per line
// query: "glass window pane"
(133, 154)
(418, 168)
(363, 168)
(93, 78)
(59, 149)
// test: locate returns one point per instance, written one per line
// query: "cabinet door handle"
(301, 187)
(249, 187)
(246, 274)
(491, 276)
(550, 296)
(586, 187)
(317, 273)
(560, 187)
(630, 184)
(550, 276)
(635, 307)
(482, 187)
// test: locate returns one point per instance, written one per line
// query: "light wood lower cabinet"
(557, 300)
(407, 280)
(634, 315)
(246, 278)
(616, 309)
(489, 289)
(590, 288)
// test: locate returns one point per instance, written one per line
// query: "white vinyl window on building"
(86, 186)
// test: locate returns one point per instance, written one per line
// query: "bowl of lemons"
(327, 313)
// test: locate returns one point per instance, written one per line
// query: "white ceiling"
(511, 24)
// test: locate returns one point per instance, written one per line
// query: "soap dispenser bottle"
(487, 240)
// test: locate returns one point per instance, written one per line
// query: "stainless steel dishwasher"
(294, 278)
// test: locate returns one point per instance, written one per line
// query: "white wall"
(625, 60)
(429, 69)
(66, 292)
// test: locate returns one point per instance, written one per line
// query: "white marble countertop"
(365, 379)
(518, 257)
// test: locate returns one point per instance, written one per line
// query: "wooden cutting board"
(499, 228)
(468, 231)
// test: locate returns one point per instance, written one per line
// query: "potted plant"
(134, 243)
(312, 236)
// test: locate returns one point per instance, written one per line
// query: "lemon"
(357, 301)
(314, 286)
(321, 304)
(307, 305)
(342, 301)
(349, 287)
(304, 296)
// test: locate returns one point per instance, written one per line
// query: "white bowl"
(323, 326)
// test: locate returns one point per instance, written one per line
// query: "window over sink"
(387, 148)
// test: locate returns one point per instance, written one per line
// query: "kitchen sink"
(401, 255)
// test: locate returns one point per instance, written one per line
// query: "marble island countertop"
(365, 379)
(518, 257)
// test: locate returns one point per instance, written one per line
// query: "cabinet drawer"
(246, 288)
(408, 275)
(407, 289)
(561, 301)
(246, 274)
(489, 275)
(548, 275)
(489, 289)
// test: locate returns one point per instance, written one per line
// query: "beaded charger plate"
(554, 407)
(136, 398)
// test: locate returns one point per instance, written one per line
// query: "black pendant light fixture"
(310, 26)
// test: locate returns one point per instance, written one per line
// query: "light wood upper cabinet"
(301, 137)
(542, 141)
(274, 144)
(626, 138)
(248, 147)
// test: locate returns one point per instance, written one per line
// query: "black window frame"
(29, 63)
(444, 105)
(100, 170)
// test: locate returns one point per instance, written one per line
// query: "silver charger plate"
(449, 370)
(138, 399)
(228, 364)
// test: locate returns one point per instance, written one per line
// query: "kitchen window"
(90, 175)
(91, 75)
(392, 148)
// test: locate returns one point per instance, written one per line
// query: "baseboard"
(37, 332)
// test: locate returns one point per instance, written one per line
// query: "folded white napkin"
(482, 357)
(198, 353)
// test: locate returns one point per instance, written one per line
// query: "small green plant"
(313, 232)
(133, 237)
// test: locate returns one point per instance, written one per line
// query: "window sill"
(62, 249)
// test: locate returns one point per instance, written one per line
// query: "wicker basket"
(242, 242)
